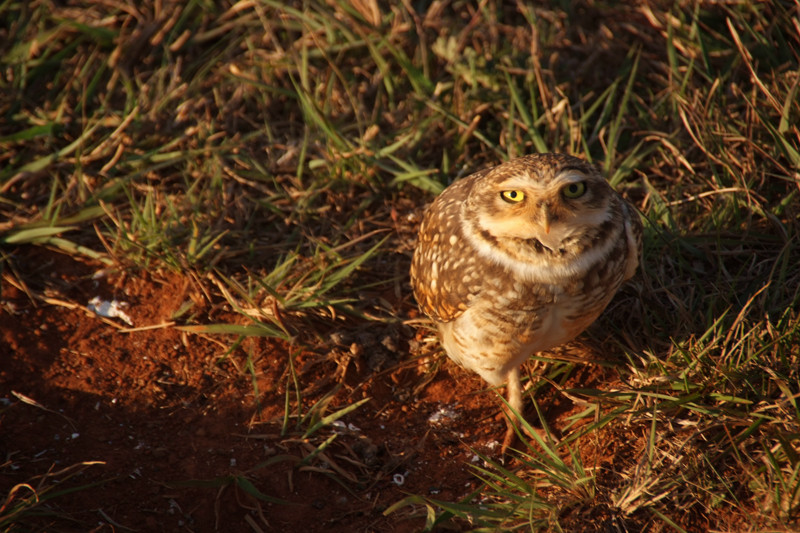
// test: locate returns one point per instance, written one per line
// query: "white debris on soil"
(100, 274)
(112, 309)
(343, 429)
(443, 414)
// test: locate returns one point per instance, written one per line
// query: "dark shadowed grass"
(279, 153)
(25, 505)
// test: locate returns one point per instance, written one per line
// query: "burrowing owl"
(520, 258)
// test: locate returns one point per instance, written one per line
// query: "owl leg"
(514, 394)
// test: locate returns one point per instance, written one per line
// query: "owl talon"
(535, 436)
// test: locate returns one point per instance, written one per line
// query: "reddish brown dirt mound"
(175, 423)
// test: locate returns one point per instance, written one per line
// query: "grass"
(276, 149)
(25, 502)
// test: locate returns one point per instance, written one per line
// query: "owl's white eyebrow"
(521, 181)
(573, 168)
(571, 174)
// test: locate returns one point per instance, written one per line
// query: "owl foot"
(536, 436)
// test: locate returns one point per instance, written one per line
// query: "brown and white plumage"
(521, 258)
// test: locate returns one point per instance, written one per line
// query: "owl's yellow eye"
(574, 190)
(513, 197)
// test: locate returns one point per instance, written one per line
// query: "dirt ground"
(182, 441)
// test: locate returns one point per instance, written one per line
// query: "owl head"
(547, 200)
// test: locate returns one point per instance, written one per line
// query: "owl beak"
(547, 217)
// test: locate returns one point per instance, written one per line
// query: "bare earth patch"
(173, 419)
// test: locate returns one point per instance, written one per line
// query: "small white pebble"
(442, 414)
(112, 309)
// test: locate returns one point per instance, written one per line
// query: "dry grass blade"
(24, 502)
(30, 401)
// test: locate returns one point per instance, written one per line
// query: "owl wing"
(444, 273)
